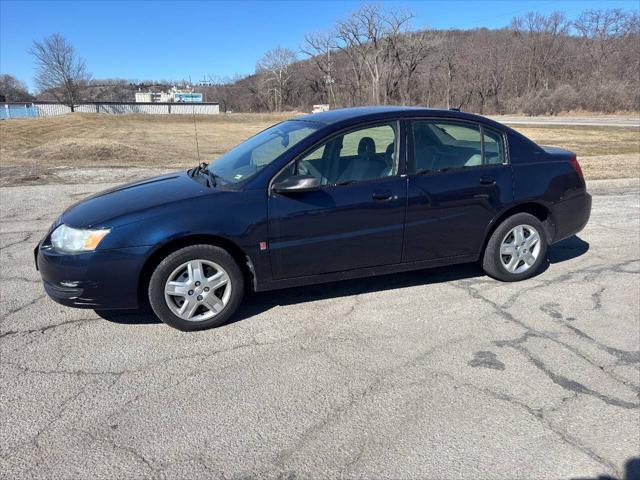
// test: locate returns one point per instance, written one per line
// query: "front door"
(354, 220)
(458, 181)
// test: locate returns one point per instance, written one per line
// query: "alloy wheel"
(520, 248)
(197, 290)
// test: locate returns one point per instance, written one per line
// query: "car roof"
(382, 112)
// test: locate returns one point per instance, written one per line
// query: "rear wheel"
(516, 249)
(196, 287)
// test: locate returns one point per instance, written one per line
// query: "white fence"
(118, 108)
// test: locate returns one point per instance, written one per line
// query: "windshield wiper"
(203, 169)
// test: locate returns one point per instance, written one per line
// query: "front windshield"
(251, 156)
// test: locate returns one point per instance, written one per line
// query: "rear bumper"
(571, 215)
(97, 280)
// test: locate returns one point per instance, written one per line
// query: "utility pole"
(329, 80)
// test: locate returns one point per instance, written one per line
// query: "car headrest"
(389, 151)
(366, 146)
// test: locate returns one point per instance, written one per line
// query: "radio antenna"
(195, 125)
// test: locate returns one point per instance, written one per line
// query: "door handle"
(381, 195)
(487, 180)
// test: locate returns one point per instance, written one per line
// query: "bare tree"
(13, 90)
(449, 61)
(320, 47)
(277, 65)
(59, 70)
(602, 30)
(367, 37)
(543, 38)
(406, 53)
(489, 77)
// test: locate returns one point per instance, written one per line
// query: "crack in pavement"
(597, 298)
(155, 472)
(27, 237)
(144, 367)
(18, 278)
(22, 307)
(10, 333)
(355, 398)
(560, 380)
(538, 413)
(589, 272)
(624, 357)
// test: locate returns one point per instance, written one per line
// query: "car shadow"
(143, 316)
(256, 303)
(631, 472)
(567, 249)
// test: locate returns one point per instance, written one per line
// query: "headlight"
(76, 240)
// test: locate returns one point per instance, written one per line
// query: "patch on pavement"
(486, 359)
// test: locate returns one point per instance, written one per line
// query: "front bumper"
(98, 280)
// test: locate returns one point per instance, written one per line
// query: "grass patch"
(167, 141)
(586, 141)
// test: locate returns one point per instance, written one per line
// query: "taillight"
(574, 163)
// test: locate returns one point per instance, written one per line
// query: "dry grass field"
(96, 140)
(603, 152)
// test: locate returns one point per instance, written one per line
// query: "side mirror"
(297, 184)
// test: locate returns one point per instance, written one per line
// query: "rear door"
(459, 179)
(354, 220)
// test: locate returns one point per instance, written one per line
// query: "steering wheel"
(305, 168)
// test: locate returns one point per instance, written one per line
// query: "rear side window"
(493, 147)
(442, 145)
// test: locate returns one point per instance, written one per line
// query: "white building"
(154, 97)
(321, 107)
(144, 97)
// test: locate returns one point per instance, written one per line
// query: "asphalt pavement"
(441, 373)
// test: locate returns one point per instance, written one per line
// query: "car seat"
(366, 166)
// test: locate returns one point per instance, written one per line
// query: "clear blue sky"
(175, 40)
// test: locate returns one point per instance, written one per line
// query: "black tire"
(174, 260)
(492, 259)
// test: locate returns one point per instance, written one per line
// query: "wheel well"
(538, 210)
(241, 258)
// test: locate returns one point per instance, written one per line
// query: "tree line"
(539, 64)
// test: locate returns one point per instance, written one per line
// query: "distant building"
(187, 97)
(321, 107)
(153, 97)
(144, 97)
(174, 95)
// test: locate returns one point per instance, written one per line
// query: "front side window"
(442, 145)
(251, 156)
(359, 155)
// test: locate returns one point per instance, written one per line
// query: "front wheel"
(516, 249)
(196, 287)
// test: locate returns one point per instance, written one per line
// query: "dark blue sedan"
(332, 196)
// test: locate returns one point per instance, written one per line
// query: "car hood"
(97, 210)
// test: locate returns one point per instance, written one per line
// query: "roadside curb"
(613, 185)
